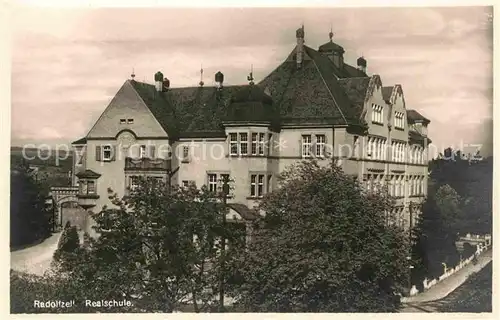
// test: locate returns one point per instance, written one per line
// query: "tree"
(68, 243)
(323, 246)
(29, 221)
(436, 233)
(145, 251)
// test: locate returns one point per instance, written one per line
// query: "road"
(444, 296)
(35, 260)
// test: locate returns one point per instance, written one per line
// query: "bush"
(68, 243)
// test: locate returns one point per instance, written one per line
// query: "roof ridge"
(328, 88)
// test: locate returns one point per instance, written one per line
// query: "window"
(377, 114)
(356, 146)
(243, 143)
(134, 182)
(306, 145)
(91, 186)
(233, 143)
(142, 151)
(260, 190)
(253, 184)
(123, 121)
(257, 185)
(262, 143)
(106, 153)
(185, 183)
(212, 182)
(399, 120)
(130, 121)
(185, 153)
(254, 143)
(320, 145)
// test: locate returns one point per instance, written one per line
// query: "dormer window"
(130, 121)
(123, 121)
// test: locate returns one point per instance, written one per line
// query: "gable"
(127, 104)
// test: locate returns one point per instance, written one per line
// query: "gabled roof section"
(160, 105)
(80, 141)
(414, 116)
(309, 92)
(387, 92)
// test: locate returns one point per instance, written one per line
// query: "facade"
(314, 104)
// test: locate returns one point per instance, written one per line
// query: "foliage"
(29, 220)
(459, 202)
(146, 253)
(473, 181)
(68, 242)
(475, 295)
(323, 246)
(436, 233)
(26, 290)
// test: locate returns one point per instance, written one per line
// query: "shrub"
(68, 243)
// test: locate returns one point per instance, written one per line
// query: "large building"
(314, 104)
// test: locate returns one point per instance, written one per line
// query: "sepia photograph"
(251, 160)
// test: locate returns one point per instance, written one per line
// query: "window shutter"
(98, 153)
(313, 145)
(152, 152)
(113, 153)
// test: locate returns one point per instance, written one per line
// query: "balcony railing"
(147, 164)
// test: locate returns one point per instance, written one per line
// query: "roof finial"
(250, 76)
(331, 33)
(201, 76)
(133, 74)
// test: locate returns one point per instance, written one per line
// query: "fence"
(481, 247)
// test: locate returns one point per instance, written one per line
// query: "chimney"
(300, 46)
(159, 81)
(362, 64)
(219, 79)
(166, 85)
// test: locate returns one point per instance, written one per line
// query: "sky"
(67, 64)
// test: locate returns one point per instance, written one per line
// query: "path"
(473, 296)
(430, 300)
(35, 259)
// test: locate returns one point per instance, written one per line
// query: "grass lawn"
(474, 295)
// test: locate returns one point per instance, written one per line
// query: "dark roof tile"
(244, 211)
(414, 116)
(80, 141)
(386, 92)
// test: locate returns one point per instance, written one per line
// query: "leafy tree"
(29, 220)
(436, 233)
(145, 250)
(323, 246)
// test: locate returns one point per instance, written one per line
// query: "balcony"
(147, 164)
(88, 200)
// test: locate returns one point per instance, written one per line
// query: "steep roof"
(356, 88)
(309, 94)
(80, 141)
(330, 46)
(414, 116)
(160, 105)
(386, 92)
(311, 91)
